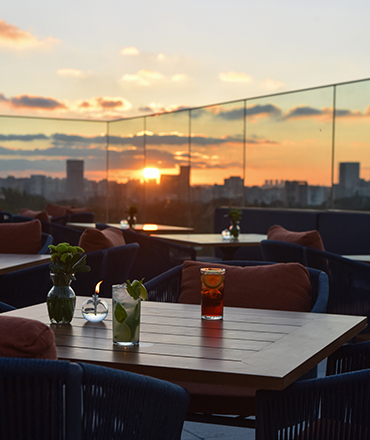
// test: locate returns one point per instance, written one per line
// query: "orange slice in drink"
(212, 280)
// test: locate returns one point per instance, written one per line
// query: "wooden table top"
(139, 227)
(12, 262)
(249, 347)
(361, 258)
(204, 240)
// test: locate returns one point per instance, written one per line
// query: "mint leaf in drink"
(120, 313)
(136, 289)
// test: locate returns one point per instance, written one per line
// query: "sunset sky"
(93, 59)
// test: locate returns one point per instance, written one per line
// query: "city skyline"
(120, 59)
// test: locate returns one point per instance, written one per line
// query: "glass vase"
(131, 220)
(61, 300)
(234, 230)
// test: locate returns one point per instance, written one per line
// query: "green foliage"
(234, 215)
(136, 289)
(67, 260)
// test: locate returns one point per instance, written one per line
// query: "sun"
(151, 173)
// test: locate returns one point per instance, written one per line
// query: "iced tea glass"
(212, 295)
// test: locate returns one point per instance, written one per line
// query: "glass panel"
(34, 155)
(167, 169)
(126, 159)
(352, 146)
(217, 158)
(289, 149)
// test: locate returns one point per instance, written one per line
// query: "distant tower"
(75, 179)
(349, 174)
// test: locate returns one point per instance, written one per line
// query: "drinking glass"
(126, 316)
(212, 295)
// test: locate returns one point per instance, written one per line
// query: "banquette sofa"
(342, 232)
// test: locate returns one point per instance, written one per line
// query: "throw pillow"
(281, 286)
(307, 238)
(57, 210)
(95, 239)
(27, 338)
(20, 238)
(41, 215)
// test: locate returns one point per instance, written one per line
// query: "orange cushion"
(281, 286)
(57, 210)
(95, 239)
(306, 238)
(27, 338)
(41, 215)
(20, 238)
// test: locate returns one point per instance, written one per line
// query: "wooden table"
(228, 246)
(147, 228)
(360, 258)
(12, 262)
(249, 348)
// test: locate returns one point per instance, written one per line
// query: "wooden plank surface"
(204, 240)
(12, 262)
(249, 347)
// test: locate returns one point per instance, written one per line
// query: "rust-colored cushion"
(307, 238)
(20, 238)
(95, 239)
(57, 210)
(26, 338)
(281, 286)
(41, 215)
(73, 210)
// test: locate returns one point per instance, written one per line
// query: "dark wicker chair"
(328, 408)
(155, 256)
(349, 281)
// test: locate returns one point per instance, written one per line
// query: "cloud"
(155, 107)
(304, 111)
(33, 102)
(142, 78)
(179, 77)
(72, 73)
(272, 85)
(235, 77)
(99, 103)
(14, 38)
(129, 51)
(254, 110)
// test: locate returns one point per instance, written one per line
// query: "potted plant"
(234, 216)
(131, 219)
(66, 260)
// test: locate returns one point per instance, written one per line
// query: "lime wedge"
(122, 333)
(120, 313)
(143, 293)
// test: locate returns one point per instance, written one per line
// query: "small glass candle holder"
(95, 309)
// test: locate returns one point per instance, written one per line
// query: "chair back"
(327, 408)
(40, 399)
(118, 264)
(167, 286)
(46, 239)
(349, 281)
(122, 405)
(349, 357)
(154, 256)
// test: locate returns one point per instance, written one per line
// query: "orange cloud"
(32, 102)
(15, 38)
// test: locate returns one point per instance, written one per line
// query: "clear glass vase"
(61, 300)
(234, 230)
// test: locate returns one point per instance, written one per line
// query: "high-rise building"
(349, 174)
(75, 179)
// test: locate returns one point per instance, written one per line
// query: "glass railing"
(305, 149)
